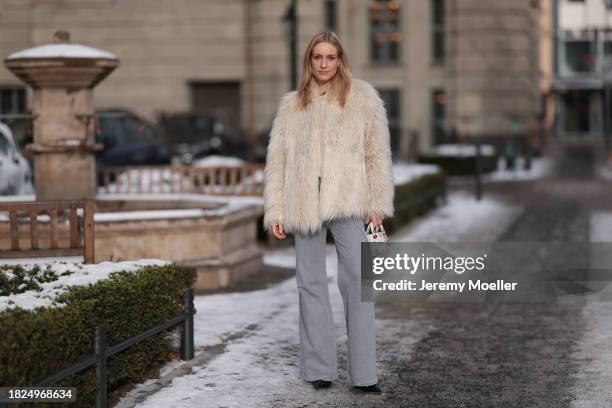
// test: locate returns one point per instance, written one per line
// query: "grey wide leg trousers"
(317, 357)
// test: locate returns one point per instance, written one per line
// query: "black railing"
(102, 352)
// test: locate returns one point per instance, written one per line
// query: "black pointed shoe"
(318, 384)
(374, 388)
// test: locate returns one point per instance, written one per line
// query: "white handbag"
(376, 234)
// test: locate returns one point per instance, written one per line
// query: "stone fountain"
(62, 76)
(215, 235)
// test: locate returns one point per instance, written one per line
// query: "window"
(384, 31)
(12, 100)
(437, 31)
(331, 15)
(220, 98)
(438, 103)
(577, 57)
(576, 108)
(391, 98)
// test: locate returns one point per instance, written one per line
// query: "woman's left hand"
(375, 219)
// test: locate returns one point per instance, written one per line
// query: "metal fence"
(102, 351)
(242, 180)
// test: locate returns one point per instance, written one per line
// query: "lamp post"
(290, 21)
(605, 73)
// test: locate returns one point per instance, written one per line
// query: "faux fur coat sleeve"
(379, 167)
(274, 172)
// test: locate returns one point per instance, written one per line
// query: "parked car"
(15, 171)
(129, 140)
(191, 136)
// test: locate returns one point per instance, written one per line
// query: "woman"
(329, 165)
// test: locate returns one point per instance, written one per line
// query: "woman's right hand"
(277, 230)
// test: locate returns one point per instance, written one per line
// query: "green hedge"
(35, 344)
(415, 198)
(457, 166)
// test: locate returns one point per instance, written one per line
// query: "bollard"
(100, 352)
(529, 154)
(478, 172)
(187, 340)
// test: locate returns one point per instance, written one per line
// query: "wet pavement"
(508, 354)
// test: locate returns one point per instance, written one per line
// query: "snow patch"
(462, 219)
(601, 226)
(461, 150)
(83, 275)
(405, 172)
(228, 205)
(540, 167)
(62, 51)
(221, 161)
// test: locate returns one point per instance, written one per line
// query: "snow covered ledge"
(216, 235)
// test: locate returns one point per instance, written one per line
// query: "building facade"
(583, 68)
(445, 68)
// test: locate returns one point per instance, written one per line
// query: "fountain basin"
(216, 235)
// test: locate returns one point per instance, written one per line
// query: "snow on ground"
(601, 227)
(228, 314)
(462, 219)
(540, 167)
(82, 276)
(404, 172)
(259, 329)
(462, 150)
(594, 375)
(604, 172)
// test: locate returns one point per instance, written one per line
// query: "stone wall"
(490, 72)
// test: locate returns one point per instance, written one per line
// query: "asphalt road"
(503, 354)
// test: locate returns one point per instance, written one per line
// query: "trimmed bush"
(460, 165)
(415, 198)
(460, 159)
(35, 344)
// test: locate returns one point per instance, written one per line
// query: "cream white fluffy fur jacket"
(354, 156)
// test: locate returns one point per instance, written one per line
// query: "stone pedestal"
(61, 123)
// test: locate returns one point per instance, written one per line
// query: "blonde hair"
(341, 81)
